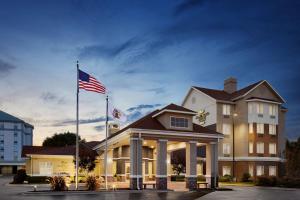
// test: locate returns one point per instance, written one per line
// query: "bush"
(58, 183)
(226, 178)
(246, 177)
(20, 177)
(201, 178)
(289, 182)
(92, 183)
(266, 181)
(37, 179)
(179, 178)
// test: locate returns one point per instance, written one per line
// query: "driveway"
(14, 192)
(254, 193)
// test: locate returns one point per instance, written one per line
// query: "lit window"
(226, 170)
(259, 108)
(226, 148)
(179, 122)
(260, 128)
(227, 129)
(226, 109)
(260, 170)
(272, 170)
(250, 108)
(251, 170)
(250, 147)
(260, 147)
(251, 128)
(272, 110)
(272, 129)
(272, 148)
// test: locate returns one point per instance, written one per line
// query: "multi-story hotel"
(14, 134)
(252, 120)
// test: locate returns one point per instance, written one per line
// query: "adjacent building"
(252, 120)
(14, 134)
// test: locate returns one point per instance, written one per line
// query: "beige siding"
(165, 120)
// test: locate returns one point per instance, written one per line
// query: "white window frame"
(260, 108)
(226, 129)
(260, 128)
(272, 148)
(272, 170)
(45, 168)
(251, 147)
(226, 148)
(272, 129)
(175, 118)
(250, 108)
(272, 110)
(260, 170)
(260, 147)
(251, 129)
(226, 170)
(226, 109)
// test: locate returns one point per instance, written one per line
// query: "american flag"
(89, 83)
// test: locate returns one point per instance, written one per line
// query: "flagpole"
(106, 134)
(77, 128)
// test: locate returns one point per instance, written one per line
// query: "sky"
(147, 53)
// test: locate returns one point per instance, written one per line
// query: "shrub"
(20, 177)
(266, 181)
(58, 183)
(179, 178)
(289, 182)
(92, 183)
(201, 178)
(246, 177)
(226, 178)
(37, 179)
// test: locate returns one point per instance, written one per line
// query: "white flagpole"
(106, 135)
(77, 128)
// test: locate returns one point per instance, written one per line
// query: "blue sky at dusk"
(147, 53)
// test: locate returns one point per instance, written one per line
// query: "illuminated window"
(272, 170)
(251, 170)
(260, 128)
(226, 148)
(250, 147)
(251, 128)
(226, 109)
(272, 148)
(272, 110)
(226, 170)
(260, 147)
(260, 108)
(260, 170)
(272, 129)
(227, 129)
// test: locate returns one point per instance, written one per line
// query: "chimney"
(230, 85)
(113, 128)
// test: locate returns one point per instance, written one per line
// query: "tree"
(87, 157)
(201, 116)
(178, 161)
(61, 140)
(293, 159)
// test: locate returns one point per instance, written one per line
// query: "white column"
(161, 165)
(212, 164)
(191, 165)
(136, 178)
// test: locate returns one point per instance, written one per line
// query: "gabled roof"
(84, 149)
(221, 95)
(9, 118)
(174, 109)
(149, 122)
(5, 117)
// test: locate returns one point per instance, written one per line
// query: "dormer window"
(179, 122)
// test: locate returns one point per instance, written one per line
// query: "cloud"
(52, 98)
(143, 106)
(81, 121)
(6, 68)
(105, 51)
(186, 5)
(158, 90)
